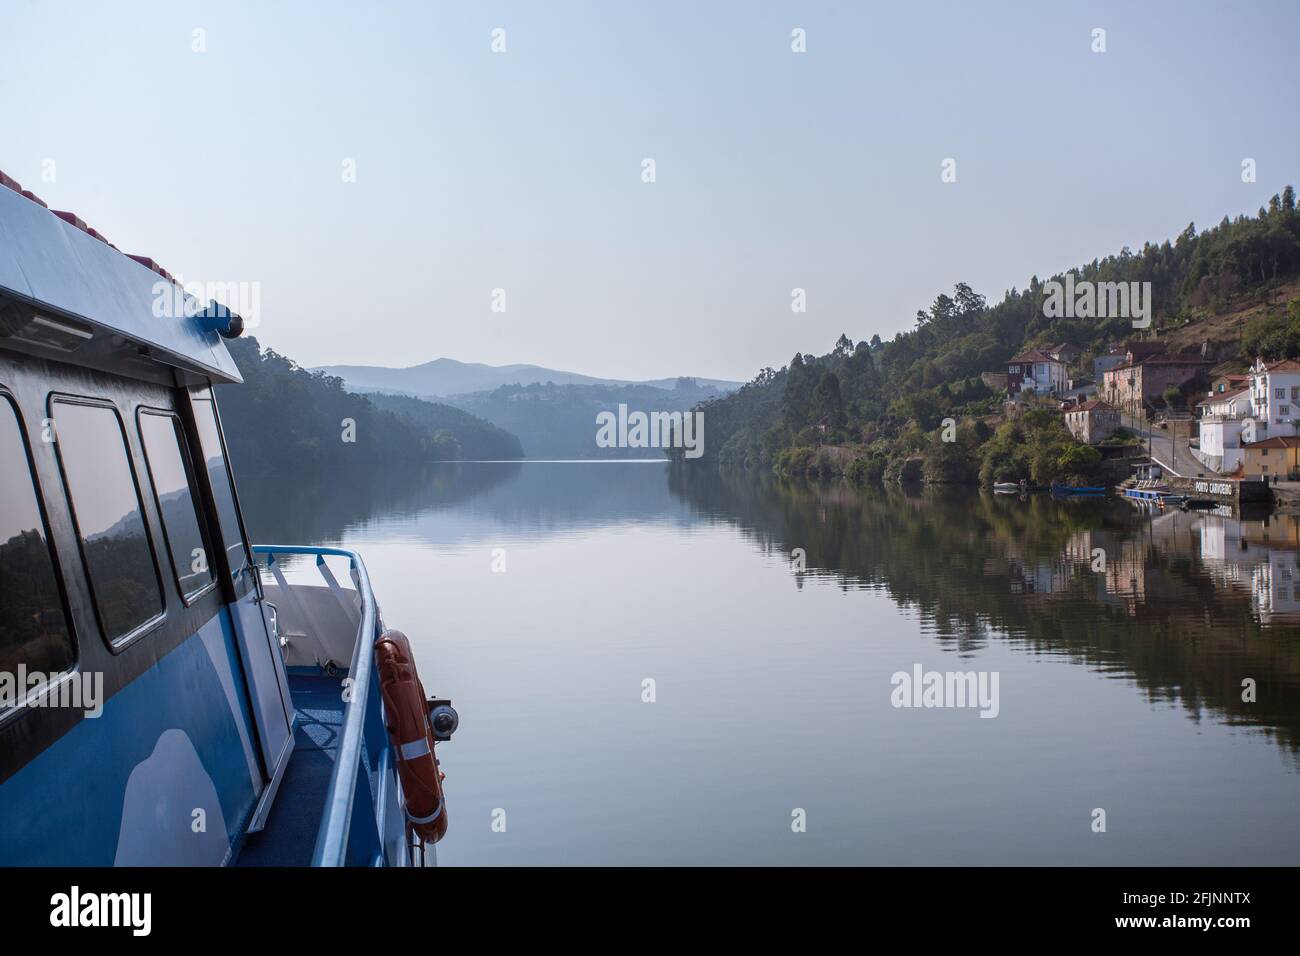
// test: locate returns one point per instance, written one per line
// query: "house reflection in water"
(1255, 556)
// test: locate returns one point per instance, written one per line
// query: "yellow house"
(1277, 457)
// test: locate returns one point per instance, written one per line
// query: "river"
(665, 665)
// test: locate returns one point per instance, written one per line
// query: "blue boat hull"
(1066, 490)
(167, 775)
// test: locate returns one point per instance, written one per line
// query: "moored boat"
(214, 712)
(1154, 493)
(1060, 490)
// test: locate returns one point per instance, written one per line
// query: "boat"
(167, 696)
(1155, 494)
(1059, 490)
(1008, 487)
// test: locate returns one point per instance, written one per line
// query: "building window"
(33, 625)
(110, 521)
(1279, 393)
(172, 487)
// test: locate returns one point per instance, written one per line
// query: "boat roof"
(56, 264)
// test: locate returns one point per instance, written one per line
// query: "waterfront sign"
(1221, 488)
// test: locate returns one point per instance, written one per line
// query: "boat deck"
(1153, 494)
(289, 837)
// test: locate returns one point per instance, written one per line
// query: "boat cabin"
(167, 697)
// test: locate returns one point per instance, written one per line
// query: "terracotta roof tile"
(1033, 355)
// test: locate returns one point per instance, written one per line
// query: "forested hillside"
(880, 402)
(284, 418)
(472, 437)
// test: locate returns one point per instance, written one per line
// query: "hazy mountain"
(285, 419)
(559, 421)
(473, 437)
(444, 376)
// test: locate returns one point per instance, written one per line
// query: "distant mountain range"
(561, 421)
(444, 376)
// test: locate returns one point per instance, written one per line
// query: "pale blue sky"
(522, 170)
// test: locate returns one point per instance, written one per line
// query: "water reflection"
(1189, 605)
(442, 499)
(1186, 605)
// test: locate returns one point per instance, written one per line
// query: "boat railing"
(360, 824)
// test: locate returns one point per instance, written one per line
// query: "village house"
(1065, 353)
(1092, 421)
(1276, 457)
(1035, 371)
(1221, 418)
(1275, 397)
(1126, 354)
(1142, 381)
(1230, 383)
(1136, 351)
(1104, 363)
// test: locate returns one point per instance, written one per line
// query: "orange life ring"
(407, 717)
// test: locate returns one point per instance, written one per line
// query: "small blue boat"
(1061, 491)
(167, 696)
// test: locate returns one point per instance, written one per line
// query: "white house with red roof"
(1221, 420)
(1036, 371)
(1275, 397)
(1268, 406)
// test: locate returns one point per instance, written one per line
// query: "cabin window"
(33, 626)
(205, 418)
(109, 518)
(170, 471)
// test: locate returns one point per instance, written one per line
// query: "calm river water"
(543, 597)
